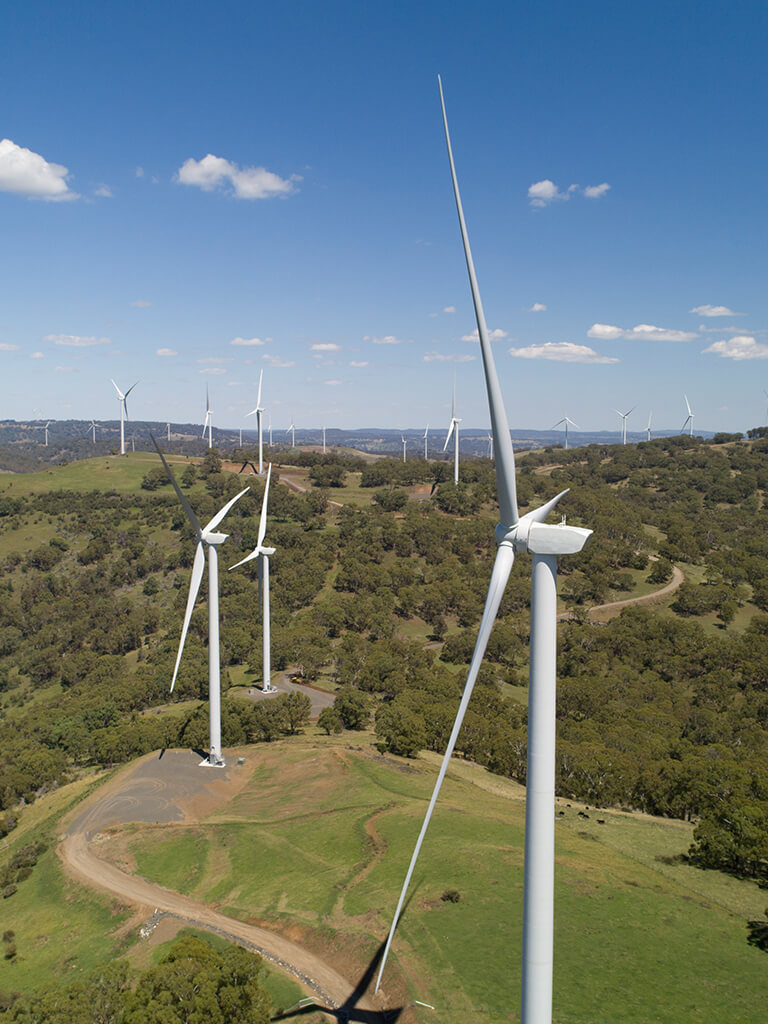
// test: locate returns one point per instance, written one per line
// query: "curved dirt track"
(614, 607)
(138, 795)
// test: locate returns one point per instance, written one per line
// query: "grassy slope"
(637, 940)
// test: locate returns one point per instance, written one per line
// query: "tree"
(351, 706)
(297, 707)
(401, 731)
(329, 720)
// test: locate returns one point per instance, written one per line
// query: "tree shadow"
(757, 934)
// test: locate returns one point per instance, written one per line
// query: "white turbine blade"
(222, 512)
(539, 515)
(501, 569)
(120, 394)
(426, 432)
(505, 456)
(194, 587)
(263, 519)
(248, 558)
(688, 406)
(258, 394)
(179, 493)
(252, 411)
(130, 389)
(568, 420)
(630, 411)
(556, 425)
(450, 433)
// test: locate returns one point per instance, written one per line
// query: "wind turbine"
(648, 428)
(324, 452)
(490, 446)
(454, 429)
(168, 429)
(205, 537)
(292, 431)
(123, 411)
(92, 428)
(208, 424)
(623, 417)
(529, 533)
(402, 438)
(259, 410)
(566, 421)
(45, 428)
(263, 554)
(689, 422)
(426, 443)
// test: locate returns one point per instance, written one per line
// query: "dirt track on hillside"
(170, 789)
(607, 611)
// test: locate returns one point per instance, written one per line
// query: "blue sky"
(276, 174)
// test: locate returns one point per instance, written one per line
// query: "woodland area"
(378, 596)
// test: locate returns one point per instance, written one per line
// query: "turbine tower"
(258, 411)
(92, 428)
(490, 446)
(205, 537)
(529, 533)
(454, 429)
(168, 429)
(263, 553)
(208, 424)
(689, 421)
(566, 421)
(648, 428)
(45, 428)
(324, 451)
(623, 418)
(123, 398)
(426, 444)
(402, 438)
(292, 431)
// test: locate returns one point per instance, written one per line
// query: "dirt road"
(603, 612)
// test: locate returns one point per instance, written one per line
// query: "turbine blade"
(120, 395)
(688, 405)
(263, 520)
(248, 558)
(258, 394)
(222, 512)
(501, 569)
(505, 456)
(539, 515)
(450, 432)
(130, 389)
(194, 588)
(179, 493)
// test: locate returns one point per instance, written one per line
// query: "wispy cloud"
(36, 355)
(714, 311)
(63, 369)
(537, 307)
(359, 362)
(495, 335)
(325, 346)
(166, 352)
(217, 371)
(389, 339)
(214, 172)
(139, 172)
(542, 193)
(643, 332)
(104, 191)
(248, 342)
(743, 346)
(334, 383)
(142, 303)
(277, 361)
(75, 341)
(444, 357)
(28, 174)
(5, 347)
(561, 352)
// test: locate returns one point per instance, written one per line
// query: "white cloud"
(277, 361)
(216, 370)
(561, 352)
(328, 346)
(389, 339)
(359, 362)
(595, 191)
(743, 346)
(29, 174)
(334, 383)
(714, 311)
(249, 341)
(4, 347)
(166, 352)
(247, 182)
(74, 341)
(104, 191)
(537, 307)
(541, 193)
(142, 303)
(643, 332)
(443, 357)
(37, 355)
(449, 309)
(63, 369)
(495, 335)
(139, 172)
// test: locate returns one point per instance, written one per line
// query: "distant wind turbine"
(324, 451)
(623, 416)
(426, 444)
(689, 421)
(258, 412)
(529, 533)
(263, 553)
(292, 431)
(454, 429)
(123, 398)
(205, 537)
(45, 428)
(490, 446)
(402, 438)
(566, 421)
(92, 428)
(648, 428)
(208, 424)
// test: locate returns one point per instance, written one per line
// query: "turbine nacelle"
(532, 535)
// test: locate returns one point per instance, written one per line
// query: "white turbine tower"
(689, 421)
(45, 428)
(404, 443)
(263, 553)
(324, 450)
(545, 542)
(490, 446)
(259, 412)
(426, 444)
(648, 428)
(205, 537)
(92, 428)
(454, 429)
(623, 417)
(566, 420)
(292, 431)
(168, 429)
(208, 424)
(123, 411)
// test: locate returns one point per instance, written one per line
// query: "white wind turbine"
(92, 428)
(566, 420)
(123, 411)
(324, 451)
(45, 428)
(426, 444)
(292, 431)
(404, 442)
(648, 428)
(623, 418)
(263, 553)
(208, 424)
(168, 429)
(529, 533)
(689, 421)
(490, 446)
(205, 537)
(454, 429)
(258, 411)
